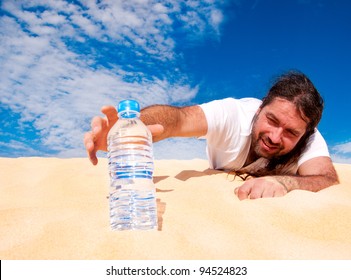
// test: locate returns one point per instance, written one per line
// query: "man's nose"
(276, 135)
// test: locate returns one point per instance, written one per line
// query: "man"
(274, 140)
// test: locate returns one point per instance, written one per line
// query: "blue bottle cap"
(128, 105)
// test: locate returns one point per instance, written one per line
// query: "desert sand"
(58, 209)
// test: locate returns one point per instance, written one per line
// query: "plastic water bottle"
(130, 158)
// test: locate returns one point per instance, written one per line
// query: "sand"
(58, 209)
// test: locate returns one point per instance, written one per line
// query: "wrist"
(288, 182)
(283, 184)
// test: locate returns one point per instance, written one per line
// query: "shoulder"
(246, 104)
(316, 147)
(231, 115)
(250, 101)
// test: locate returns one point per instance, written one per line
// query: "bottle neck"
(129, 114)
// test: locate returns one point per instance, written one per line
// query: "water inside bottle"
(132, 192)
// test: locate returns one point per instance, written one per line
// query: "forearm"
(176, 121)
(313, 175)
(167, 116)
(312, 183)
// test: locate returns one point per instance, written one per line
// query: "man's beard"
(256, 145)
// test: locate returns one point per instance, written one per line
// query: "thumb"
(156, 129)
(111, 114)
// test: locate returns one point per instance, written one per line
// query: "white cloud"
(53, 56)
(216, 18)
(341, 153)
(341, 159)
(18, 148)
(342, 148)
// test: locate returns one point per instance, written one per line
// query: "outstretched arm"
(163, 121)
(176, 121)
(313, 175)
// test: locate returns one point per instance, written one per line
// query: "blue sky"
(62, 60)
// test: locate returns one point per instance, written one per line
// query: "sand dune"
(58, 209)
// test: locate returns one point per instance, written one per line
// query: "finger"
(268, 193)
(254, 194)
(93, 158)
(89, 141)
(96, 126)
(242, 192)
(90, 147)
(156, 129)
(253, 189)
(111, 114)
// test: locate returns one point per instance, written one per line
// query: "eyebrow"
(292, 130)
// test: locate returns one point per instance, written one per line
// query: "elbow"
(333, 179)
(336, 180)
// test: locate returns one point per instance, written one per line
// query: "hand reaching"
(96, 139)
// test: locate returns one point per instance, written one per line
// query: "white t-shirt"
(229, 133)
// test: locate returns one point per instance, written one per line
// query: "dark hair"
(297, 88)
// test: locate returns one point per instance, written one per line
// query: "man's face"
(277, 129)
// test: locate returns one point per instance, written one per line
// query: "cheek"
(256, 133)
(289, 144)
(259, 127)
(263, 130)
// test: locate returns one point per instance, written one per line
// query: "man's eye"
(292, 133)
(272, 121)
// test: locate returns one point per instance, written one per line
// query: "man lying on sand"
(275, 140)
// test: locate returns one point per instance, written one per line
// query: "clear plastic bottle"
(130, 157)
